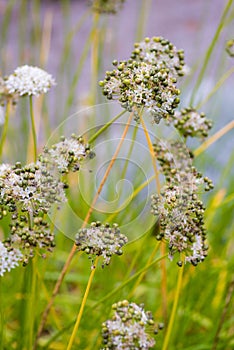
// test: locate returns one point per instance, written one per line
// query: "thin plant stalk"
(162, 246)
(106, 126)
(140, 278)
(210, 50)
(5, 127)
(34, 134)
(73, 250)
(76, 327)
(214, 138)
(174, 308)
(106, 297)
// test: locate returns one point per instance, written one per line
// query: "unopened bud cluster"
(28, 192)
(101, 240)
(106, 6)
(230, 47)
(148, 79)
(191, 123)
(180, 211)
(131, 327)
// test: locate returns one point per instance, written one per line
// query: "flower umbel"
(101, 240)
(129, 328)
(191, 123)
(180, 212)
(28, 80)
(148, 79)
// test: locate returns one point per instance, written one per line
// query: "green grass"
(201, 317)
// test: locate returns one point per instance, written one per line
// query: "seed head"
(101, 240)
(129, 327)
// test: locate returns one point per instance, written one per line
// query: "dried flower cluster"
(106, 6)
(28, 80)
(148, 79)
(129, 328)
(101, 240)
(191, 123)
(28, 192)
(178, 207)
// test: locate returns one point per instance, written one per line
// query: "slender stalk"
(5, 127)
(73, 250)
(106, 126)
(221, 81)
(174, 309)
(33, 128)
(210, 50)
(214, 138)
(76, 327)
(140, 278)
(162, 246)
(151, 149)
(106, 297)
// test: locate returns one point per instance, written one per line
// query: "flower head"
(128, 328)
(148, 79)
(28, 80)
(9, 258)
(191, 123)
(180, 212)
(67, 154)
(101, 240)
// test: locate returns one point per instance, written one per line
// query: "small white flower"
(29, 80)
(8, 259)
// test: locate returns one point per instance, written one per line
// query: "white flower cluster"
(127, 329)
(191, 123)
(9, 259)
(148, 79)
(180, 212)
(29, 80)
(67, 154)
(101, 240)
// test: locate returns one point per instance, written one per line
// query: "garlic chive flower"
(147, 80)
(67, 154)
(178, 207)
(106, 6)
(131, 327)
(101, 240)
(29, 80)
(161, 53)
(9, 258)
(191, 123)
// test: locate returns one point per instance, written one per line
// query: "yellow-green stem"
(76, 327)
(106, 126)
(5, 127)
(34, 134)
(214, 138)
(174, 309)
(210, 50)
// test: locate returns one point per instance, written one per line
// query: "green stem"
(75, 329)
(106, 126)
(5, 127)
(33, 128)
(174, 309)
(107, 296)
(210, 50)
